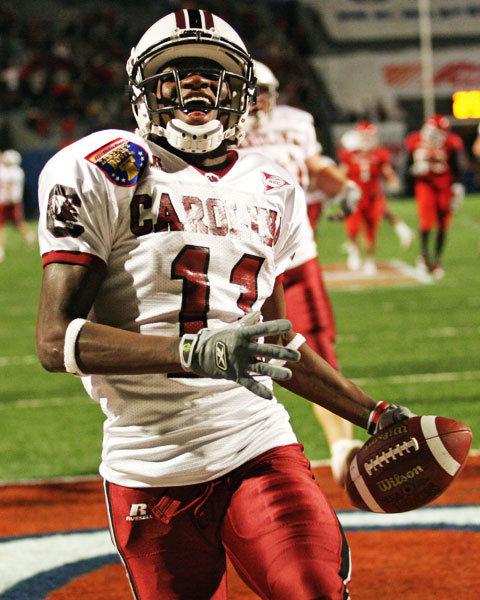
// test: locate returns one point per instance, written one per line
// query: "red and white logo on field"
(273, 182)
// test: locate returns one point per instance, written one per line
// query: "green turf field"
(417, 344)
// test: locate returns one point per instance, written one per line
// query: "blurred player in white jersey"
(161, 252)
(287, 135)
(12, 181)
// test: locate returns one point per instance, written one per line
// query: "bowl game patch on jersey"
(121, 160)
(273, 182)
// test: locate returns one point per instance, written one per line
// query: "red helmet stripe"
(208, 19)
(180, 19)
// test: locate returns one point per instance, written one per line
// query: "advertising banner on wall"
(350, 20)
(359, 80)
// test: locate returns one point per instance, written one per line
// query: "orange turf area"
(395, 565)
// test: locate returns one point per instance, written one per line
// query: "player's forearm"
(317, 381)
(100, 349)
(103, 349)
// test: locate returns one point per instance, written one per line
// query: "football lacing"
(391, 454)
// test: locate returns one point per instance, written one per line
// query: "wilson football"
(408, 464)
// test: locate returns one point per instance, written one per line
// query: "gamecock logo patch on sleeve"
(121, 160)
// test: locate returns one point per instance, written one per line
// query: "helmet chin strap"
(195, 139)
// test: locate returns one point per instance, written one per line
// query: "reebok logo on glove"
(221, 356)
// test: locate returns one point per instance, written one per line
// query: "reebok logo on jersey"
(138, 512)
(221, 356)
(273, 182)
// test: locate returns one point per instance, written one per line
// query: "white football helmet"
(11, 157)
(259, 114)
(190, 33)
(265, 78)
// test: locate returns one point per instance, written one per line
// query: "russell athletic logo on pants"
(138, 512)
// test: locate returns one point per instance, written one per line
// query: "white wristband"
(294, 344)
(69, 346)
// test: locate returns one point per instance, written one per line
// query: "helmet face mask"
(165, 92)
(435, 130)
(161, 61)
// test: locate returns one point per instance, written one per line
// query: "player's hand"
(419, 168)
(233, 353)
(458, 196)
(385, 414)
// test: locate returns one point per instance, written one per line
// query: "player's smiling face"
(199, 87)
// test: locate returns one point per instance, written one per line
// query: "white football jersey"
(12, 180)
(181, 249)
(288, 137)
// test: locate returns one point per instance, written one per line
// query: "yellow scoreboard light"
(466, 104)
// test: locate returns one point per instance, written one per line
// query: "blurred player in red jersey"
(12, 180)
(287, 135)
(369, 165)
(435, 161)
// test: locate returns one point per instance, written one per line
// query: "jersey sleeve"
(384, 155)
(455, 143)
(411, 141)
(293, 231)
(77, 212)
(343, 155)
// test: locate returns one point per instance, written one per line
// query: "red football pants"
(314, 212)
(269, 516)
(309, 308)
(433, 206)
(368, 215)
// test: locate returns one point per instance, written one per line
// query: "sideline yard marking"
(15, 361)
(390, 273)
(40, 402)
(420, 378)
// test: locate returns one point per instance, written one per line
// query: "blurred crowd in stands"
(62, 70)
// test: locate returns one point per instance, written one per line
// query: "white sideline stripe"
(421, 378)
(15, 361)
(362, 489)
(411, 271)
(435, 516)
(39, 402)
(437, 447)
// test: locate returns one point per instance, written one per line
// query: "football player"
(436, 157)
(368, 163)
(12, 180)
(287, 135)
(352, 141)
(162, 250)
